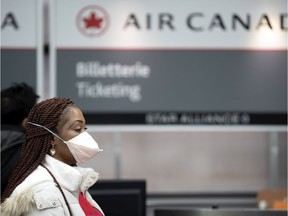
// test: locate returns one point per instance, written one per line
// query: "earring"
(52, 151)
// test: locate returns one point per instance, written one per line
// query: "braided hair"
(49, 113)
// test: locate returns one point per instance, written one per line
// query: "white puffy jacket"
(38, 194)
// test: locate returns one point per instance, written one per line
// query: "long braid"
(48, 113)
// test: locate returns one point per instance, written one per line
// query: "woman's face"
(71, 125)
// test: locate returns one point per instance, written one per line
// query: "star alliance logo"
(92, 21)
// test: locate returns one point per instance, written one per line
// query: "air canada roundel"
(92, 21)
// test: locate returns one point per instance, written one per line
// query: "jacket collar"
(72, 178)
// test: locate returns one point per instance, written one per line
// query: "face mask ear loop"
(37, 125)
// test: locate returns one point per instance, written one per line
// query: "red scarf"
(87, 208)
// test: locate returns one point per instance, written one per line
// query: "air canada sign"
(198, 21)
(94, 20)
(182, 63)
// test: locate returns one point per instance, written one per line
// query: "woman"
(46, 180)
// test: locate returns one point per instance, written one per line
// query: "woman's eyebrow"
(77, 121)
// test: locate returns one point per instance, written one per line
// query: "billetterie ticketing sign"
(184, 63)
(20, 42)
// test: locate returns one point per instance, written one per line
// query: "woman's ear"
(24, 122)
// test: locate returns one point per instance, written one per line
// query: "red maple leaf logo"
(93, 21)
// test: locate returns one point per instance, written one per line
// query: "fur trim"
(18, 205)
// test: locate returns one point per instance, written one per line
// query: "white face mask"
(83, 147)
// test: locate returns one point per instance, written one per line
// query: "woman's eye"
(79, 130)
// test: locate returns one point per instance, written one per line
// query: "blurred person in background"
(16, 102)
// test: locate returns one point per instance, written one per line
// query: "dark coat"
(12, 138)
